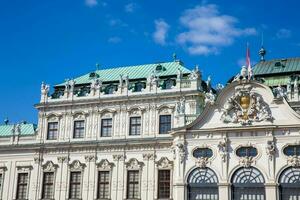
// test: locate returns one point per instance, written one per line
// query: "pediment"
(245, 104)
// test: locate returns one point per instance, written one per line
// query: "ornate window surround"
(202, 162)
(247, 161)
(106, 113)
(133, 164)
(293, 161)
(52, 117)
(135, 111)
(23, 169)
(75, 166)
(104, 165)
(164, 109)
(49, 166)
(163, 164)
(79, 116)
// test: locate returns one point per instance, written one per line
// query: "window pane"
(75, 185)
(133, 184)
(135, 126)
(164, 124)
(103, 185)
(48, 185)
(106, 127)
(22, 186)
(164, 184)
(52, 132)
(78, 129)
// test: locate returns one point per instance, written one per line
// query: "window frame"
(22, 184)
(137, 183)
(102, 127)
(43, 185)
(295, 148)
(71, 183)
(161, 124)
(247, 152)
(136, 125)
(52, 129)
(108, 182)
(79, 128)
(159, 182)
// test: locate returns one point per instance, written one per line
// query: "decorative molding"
(63, 159)
(271, 149)
(38, 159)
(49, 166)
(119, 157)
(76, 165)
(90, 158)
(104, 164)
(134, 164)
(223, 148)
(149, 156)
(164, 163)
(25, 168)
(246, 161)
(202, 162)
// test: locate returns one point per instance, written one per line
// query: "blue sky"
(51, 40)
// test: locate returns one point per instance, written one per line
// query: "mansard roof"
(277, 67)
(24, 129)
(134, 72)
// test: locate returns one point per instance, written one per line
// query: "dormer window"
(246, 152)
(110, 89)
(168, 84)
(139, 86)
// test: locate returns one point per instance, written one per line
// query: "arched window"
(292, 150)
(202, 185)
(248, 183)
(202, 153)
(289, 184)
(246, 152)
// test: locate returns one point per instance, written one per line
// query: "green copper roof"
(133, 72)
(25, 129)
(278, 80)
(277, 66)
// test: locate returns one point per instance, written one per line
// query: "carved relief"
(119, 157)
(164, 163)
(223, 148)
(105, 165)
(202, 162)
(76, 165)
(271, 149)
(63, 159)
(245, 107)
(49, 166)
(134, 164)
(149, 156)
(246, 161)
(293, 161)
(90, 158)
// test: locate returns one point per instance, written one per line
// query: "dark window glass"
(52, 131)
(164, 124)
(164, 184)
(110, 89)
(202, 153)
(169, 84)
(135, 126)
(133, 187)
(246, 152)
(138, 87)
(22, 186)
(48, 185)
(75, 185)
(78, 129)
(103, 185)
(292, 150)
(106, 127)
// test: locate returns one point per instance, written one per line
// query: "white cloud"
(283, 33)
(131, 7)
(161, 31)
(114, 39)
(117, 22)
(207, 30)
(91, 3)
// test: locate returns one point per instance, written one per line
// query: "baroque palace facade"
(155, 132)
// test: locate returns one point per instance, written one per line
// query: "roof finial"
(174, 57)
(262, 51)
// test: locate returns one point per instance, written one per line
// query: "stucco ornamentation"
(293, 161)
(90, 158)
(202, 162)
(49, 166)
(105, 165)
(149, 156)
(245, 107)
(246, 161)
(76, 165)
(210, 98)
(164, 163)
(223, 148)
(134, 164)
(271, 149)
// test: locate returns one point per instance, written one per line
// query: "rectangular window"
(48, 185)
(163, 184)
(78, 129)
(135, 126)
(103, 185)
(106, 127)
(75, 185)
(133, 186)
(22, 186)
(52, 131)
(164, 124)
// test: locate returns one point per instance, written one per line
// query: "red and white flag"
(248, 63)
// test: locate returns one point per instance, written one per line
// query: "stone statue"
(152, 79)
(179, 74)
(181, 106)
(210, 98)
(195, 74)
(271, 149)
(279, 92)
(45, 89)
(120, 80)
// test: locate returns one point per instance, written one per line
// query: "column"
(35, 179)
(271, 191)
(89, 177)
(224, 189)
(62, 178)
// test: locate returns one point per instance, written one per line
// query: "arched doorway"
(202, 185)
(248, 184)
(289, 184)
